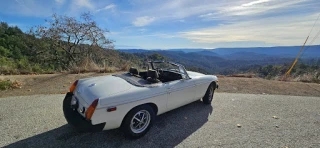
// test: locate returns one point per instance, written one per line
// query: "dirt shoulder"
(263, 86)
(59, 84)
(44, 83)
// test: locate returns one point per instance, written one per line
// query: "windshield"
(166, 66)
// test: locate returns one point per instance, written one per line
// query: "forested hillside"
(66, 44)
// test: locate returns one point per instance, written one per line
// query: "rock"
(277, 126)
(275, 117)
(29, 89)
(17, 136)
(239, 125)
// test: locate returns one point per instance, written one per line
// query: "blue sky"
(163, 24)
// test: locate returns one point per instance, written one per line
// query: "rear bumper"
(76, 120)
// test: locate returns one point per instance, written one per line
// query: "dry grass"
(109, 70)
(90, 66)
(248, 75)
(125, 67)
(78, 70)
(309, 78)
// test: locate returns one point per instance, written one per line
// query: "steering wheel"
(158, 70)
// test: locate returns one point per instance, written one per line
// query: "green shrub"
(24, 66)
(4, 52)
(37, 68)
(269, 77)
(5, 84)
(7, 66)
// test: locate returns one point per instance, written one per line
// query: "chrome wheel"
(140, 121)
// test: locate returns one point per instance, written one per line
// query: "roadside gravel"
(266, 121)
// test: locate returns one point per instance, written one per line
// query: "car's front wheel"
(138, 121)
(207, 99)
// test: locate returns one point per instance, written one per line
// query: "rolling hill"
(232, 60)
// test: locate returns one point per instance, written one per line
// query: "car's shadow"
(169, 130)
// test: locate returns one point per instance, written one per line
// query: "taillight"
(91, 109)
(73, 86)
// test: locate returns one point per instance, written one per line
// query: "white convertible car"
(131, 101)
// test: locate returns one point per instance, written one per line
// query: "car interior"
(155, 76)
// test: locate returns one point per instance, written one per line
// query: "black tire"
(126, 124)
(208, 97)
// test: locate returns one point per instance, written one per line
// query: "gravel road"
(265, 120)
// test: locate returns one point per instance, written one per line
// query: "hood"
(97, 87)
(193, 74)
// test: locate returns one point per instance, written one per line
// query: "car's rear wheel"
(207, 99)
(138, 121)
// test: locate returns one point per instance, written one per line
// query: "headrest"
(133, 71)
(153, 74)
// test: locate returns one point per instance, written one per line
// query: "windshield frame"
(181, 68)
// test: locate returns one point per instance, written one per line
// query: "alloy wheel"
(140, 121)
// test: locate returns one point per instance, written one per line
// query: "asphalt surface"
(265, 120)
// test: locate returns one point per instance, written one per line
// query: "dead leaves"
(16, 84)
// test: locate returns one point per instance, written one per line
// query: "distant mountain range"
(233, 60)
(280, 51)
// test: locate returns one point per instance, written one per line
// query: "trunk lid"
(92, 88)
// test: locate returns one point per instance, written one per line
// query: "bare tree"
(80, 39)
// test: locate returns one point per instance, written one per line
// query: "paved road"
(37, 121)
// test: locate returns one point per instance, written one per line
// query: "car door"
(180, 92)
